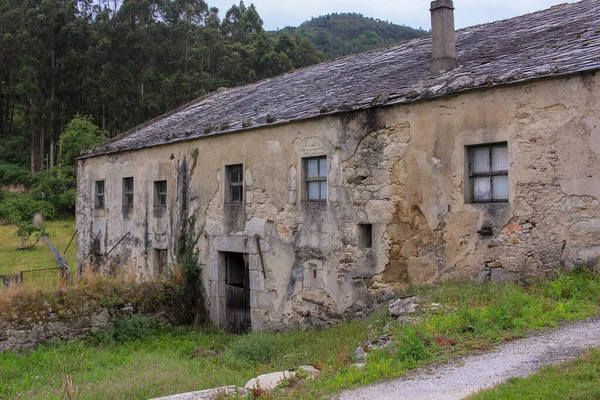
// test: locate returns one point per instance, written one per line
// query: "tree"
(80, 134)
(121, 63)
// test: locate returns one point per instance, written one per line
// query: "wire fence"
(59, 258)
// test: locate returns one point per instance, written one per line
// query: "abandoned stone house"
(466, 155)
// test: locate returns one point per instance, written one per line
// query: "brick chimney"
(443, 37)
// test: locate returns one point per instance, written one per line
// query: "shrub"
(250, 349)
(128, 329)
(411, 347)
(133, 328)
(13, 174)
(22, 208)
(80, 134)
(57, 186)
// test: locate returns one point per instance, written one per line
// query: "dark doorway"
(238, 292)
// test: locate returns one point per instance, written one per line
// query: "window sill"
(490, 207)
(314, 205)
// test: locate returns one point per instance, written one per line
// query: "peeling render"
(400, 168)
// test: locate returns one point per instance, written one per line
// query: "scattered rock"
(209, 394)
(359, 365)
(382, 342)
(310, 371)
(407, 305)
(359, 354)
(269, 381)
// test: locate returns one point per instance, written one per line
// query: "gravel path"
(462, 377)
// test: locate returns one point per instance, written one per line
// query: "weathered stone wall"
(29, 319)
(58, 325)
(399, 168)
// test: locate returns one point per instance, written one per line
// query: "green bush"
(411, 347)
(22, 208)
(80, 134)
(127, 329)
(250, 349)
(12, 174)
(133, 328)
(57, 186)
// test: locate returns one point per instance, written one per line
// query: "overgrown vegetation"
(16, 209)
(128, 329)
(26, 305)
(466, 317)
(573, 380)
(188, 258)
(51, 192)
(14, 174)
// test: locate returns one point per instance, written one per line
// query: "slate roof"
(564, 39)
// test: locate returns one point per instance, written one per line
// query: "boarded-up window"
(160, 193)
(315, 178)
(127, 192)
(488, 173)
(235, 183)
(99, 204)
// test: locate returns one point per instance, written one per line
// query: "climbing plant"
(189, 262)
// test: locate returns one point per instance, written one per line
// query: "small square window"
(127, 192)
(99, 203)
(160, 193)
(488, 173)
(365, 236)
(315, 178)
(235, 183)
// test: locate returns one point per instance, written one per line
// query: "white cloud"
(414, 13)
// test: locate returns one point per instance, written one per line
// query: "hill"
(349, 33)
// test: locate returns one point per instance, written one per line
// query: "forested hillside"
(114, 64)
(122, 63)
(348, 33)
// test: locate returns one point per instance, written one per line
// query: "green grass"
(573, 380)
(471, 318)
(13, 261)
(168, 362)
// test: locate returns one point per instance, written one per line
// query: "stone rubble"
(269, 381)
(400, 307)
(208, 394)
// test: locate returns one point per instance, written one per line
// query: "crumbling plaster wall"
(551, 220)
(400, 168)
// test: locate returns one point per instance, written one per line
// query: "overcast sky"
(414, 13)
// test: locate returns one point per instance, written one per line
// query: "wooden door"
(237, 292)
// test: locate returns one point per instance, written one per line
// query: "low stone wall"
(29, 320)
